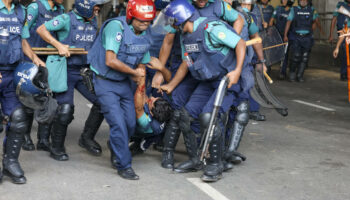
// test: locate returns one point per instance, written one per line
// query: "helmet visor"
(162, 22)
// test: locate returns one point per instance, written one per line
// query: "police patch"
(119, 37)
(222, 35)
(228, 7)
(55, 22)
(29, 17)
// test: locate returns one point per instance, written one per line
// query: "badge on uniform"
(222, 35)
(119, 37)
(30, 17)
(55, 22)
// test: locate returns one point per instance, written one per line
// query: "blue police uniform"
(114, 89)
(73, 30)
(12, 30)
(267, 12)
(281, 15)
(340, 25)
(302, 36)
(38, 14)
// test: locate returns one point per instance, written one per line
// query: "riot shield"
(272, 38)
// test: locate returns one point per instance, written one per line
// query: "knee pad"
(176, 116)
(242, 116)
(185, 121)
(305, 57)
(19, 121)
(204, 120)
(296, 57)
(65, 114)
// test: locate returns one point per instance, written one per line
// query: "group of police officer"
(150, 84)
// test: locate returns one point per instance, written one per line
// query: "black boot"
(194, 163)
(12, 146)
(300, 74)
(28, 142)
(128, 174)
(236, 131)
(171, 136)
(59, 131)
(43, 137)
(257, 116)
(214, 166)
(113, 157)
(92, 125)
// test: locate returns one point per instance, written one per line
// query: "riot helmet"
(32, 88)
(143, 10)
(84, 8)
(161, 4)
(246, 1)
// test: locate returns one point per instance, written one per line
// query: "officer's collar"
(206, 5)
(2, 5)
(47, 5)
(133, 30)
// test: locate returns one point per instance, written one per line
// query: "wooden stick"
(268, 77)
(253, 41)
(274, 46)
(54, 49)
(56, 52)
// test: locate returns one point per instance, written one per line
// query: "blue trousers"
(75, 81)
(117, 105)
(8, 99)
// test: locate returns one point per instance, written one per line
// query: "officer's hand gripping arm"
(113, 62)
(27, 50)
(63, 50)
(179, 76)
(157, 65)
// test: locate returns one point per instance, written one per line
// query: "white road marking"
(206, 188)
(89, 105)
(314, 105)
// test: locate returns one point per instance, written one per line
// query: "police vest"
(156, 126)
(81, 35)
(267, 12)
(303, 19)
(44, 15)
(132, 50)
(256, 12)
(341, 18)
(208, 64)
(176, 50)
(156, 42)
(281, 18)
(10, 38)
(213, 9)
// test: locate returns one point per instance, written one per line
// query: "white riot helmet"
(246, 1)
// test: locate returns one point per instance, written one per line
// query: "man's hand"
(335, 52)
(233, 77)
(265, 25)
(285, 39)
(0, 78)
(140, 72)
(63, 50)
(157, 80)
(155, 64)
(38, 62)
(330, 39)
(167, 88)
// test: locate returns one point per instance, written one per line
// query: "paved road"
(303, 156)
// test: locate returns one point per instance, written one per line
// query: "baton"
(54, 51)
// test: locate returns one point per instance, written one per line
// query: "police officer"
(267, 11)
(13, 33)
(119, 54)
(279, 17)
(38, 13)
(339, 20)
(300, 21)
(213, 57)
(75, 29)
(206, 8)
(239, 116)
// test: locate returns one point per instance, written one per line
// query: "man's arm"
(240, 55)
(27, 50)
(238, 24)
(336, 50)
(179, 76)
(286, 30)
(167, 45)
(113, 62)
(334, 21)
(155, 64)
(140, 97)
(63, 49)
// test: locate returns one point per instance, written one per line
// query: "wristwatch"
(262, 61)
